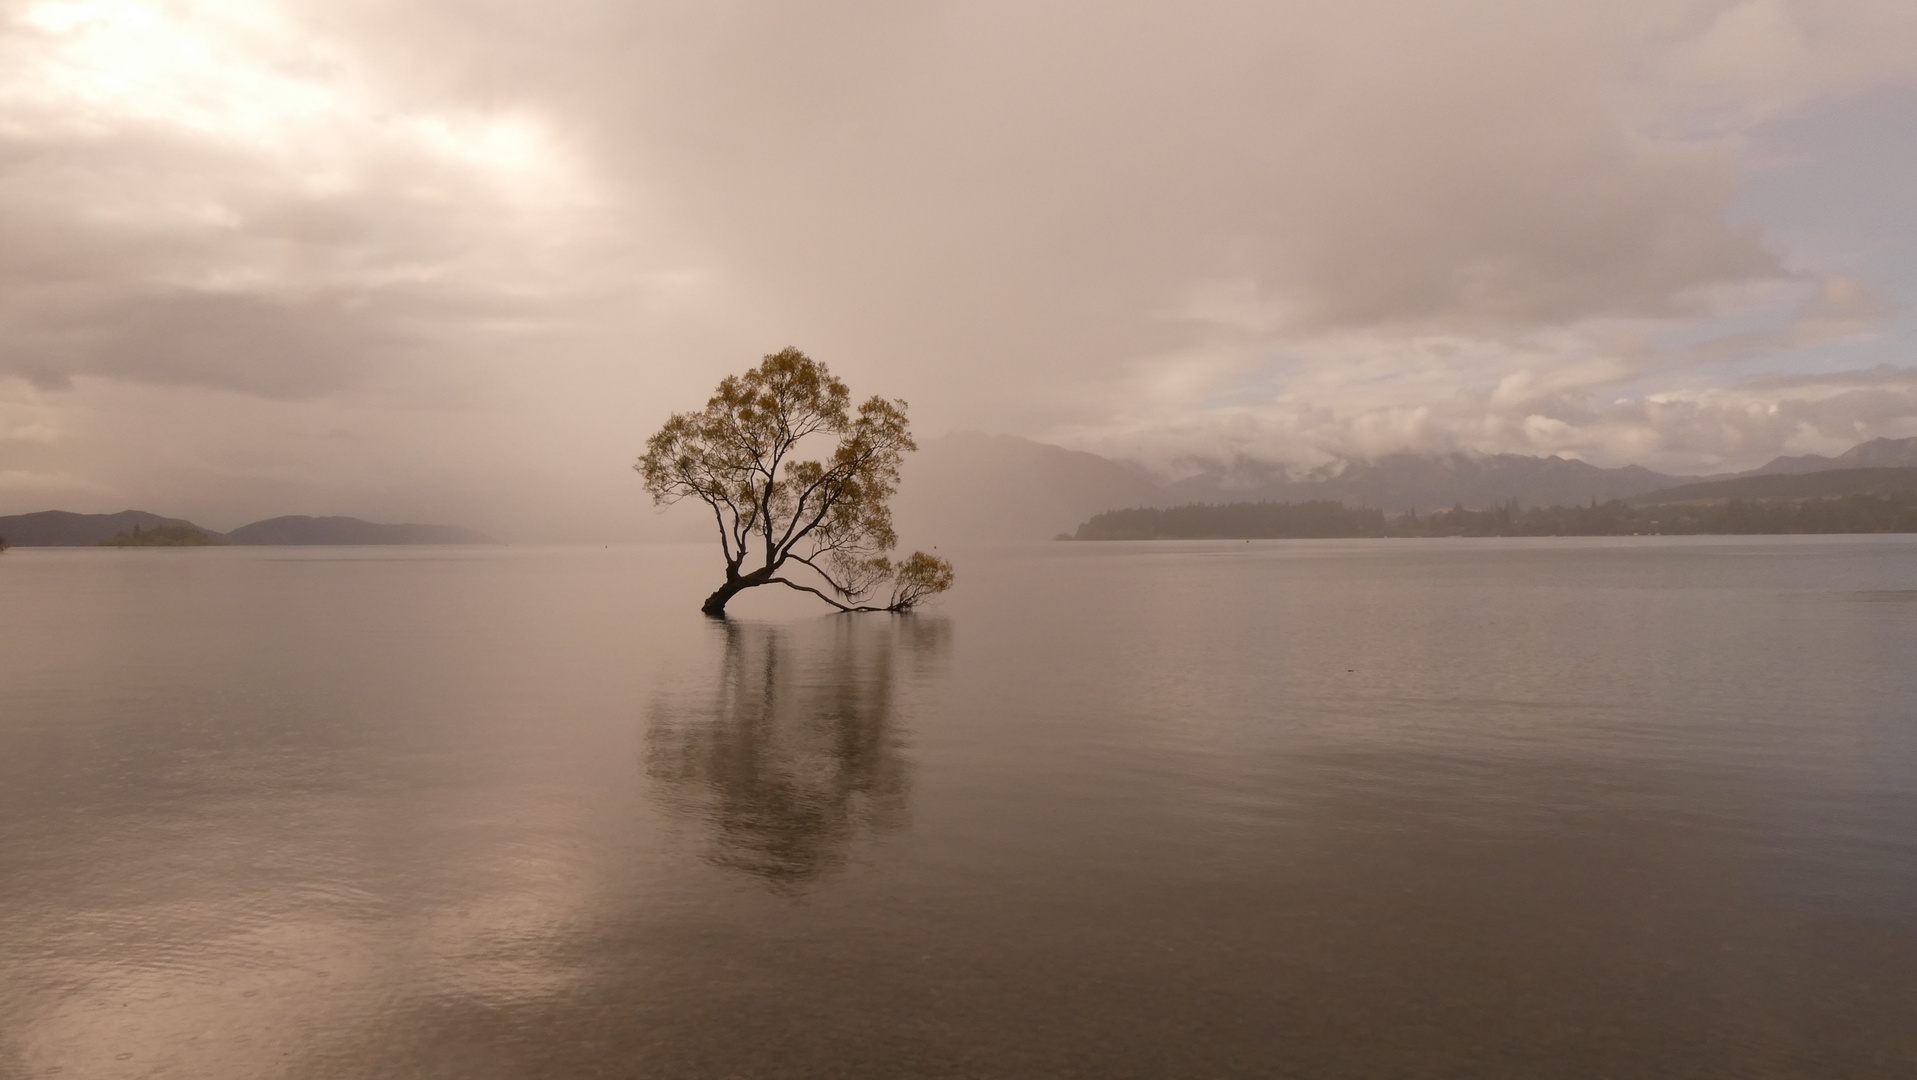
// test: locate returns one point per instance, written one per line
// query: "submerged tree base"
(913, 580)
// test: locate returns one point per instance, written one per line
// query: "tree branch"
(820, 595)
(819, 570)
(725, 545)
(765, 499)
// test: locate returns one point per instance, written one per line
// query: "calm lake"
(1420, 808)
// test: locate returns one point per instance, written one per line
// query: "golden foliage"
(739, 456)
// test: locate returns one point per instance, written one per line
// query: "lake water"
(1507, 808)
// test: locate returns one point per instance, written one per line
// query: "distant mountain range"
(973, 488)
(1790, 486)
(59, 528)
(299, 529)
(1875, 454)
(1399, 482)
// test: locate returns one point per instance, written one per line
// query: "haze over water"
(1641, 807)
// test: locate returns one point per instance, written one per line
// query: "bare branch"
(820, 595)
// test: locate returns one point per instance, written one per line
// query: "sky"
(456, 261)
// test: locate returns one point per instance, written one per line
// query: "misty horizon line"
(999, 484)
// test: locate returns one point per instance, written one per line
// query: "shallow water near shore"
(1635, 807)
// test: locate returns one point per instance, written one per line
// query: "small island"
(164, 536)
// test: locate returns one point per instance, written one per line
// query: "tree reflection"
(793, 751)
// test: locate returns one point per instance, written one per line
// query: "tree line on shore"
(1326, 519)
(164, 536)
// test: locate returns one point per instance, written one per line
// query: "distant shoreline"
(138, 528)
(1326, 520)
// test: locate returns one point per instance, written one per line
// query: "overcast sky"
(455, 261)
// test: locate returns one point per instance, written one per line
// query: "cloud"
(1010, 209)
(1747, 60)
(1571, 412)
(1051, 181)
(1306, 230)
(207, 194)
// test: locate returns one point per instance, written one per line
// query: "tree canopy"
(830, 514)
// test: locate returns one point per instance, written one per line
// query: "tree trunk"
(715, 605)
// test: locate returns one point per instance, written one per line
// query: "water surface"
(1507, 808)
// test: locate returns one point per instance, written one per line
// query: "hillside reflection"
(791, 752)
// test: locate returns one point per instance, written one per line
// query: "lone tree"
(829, 515)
